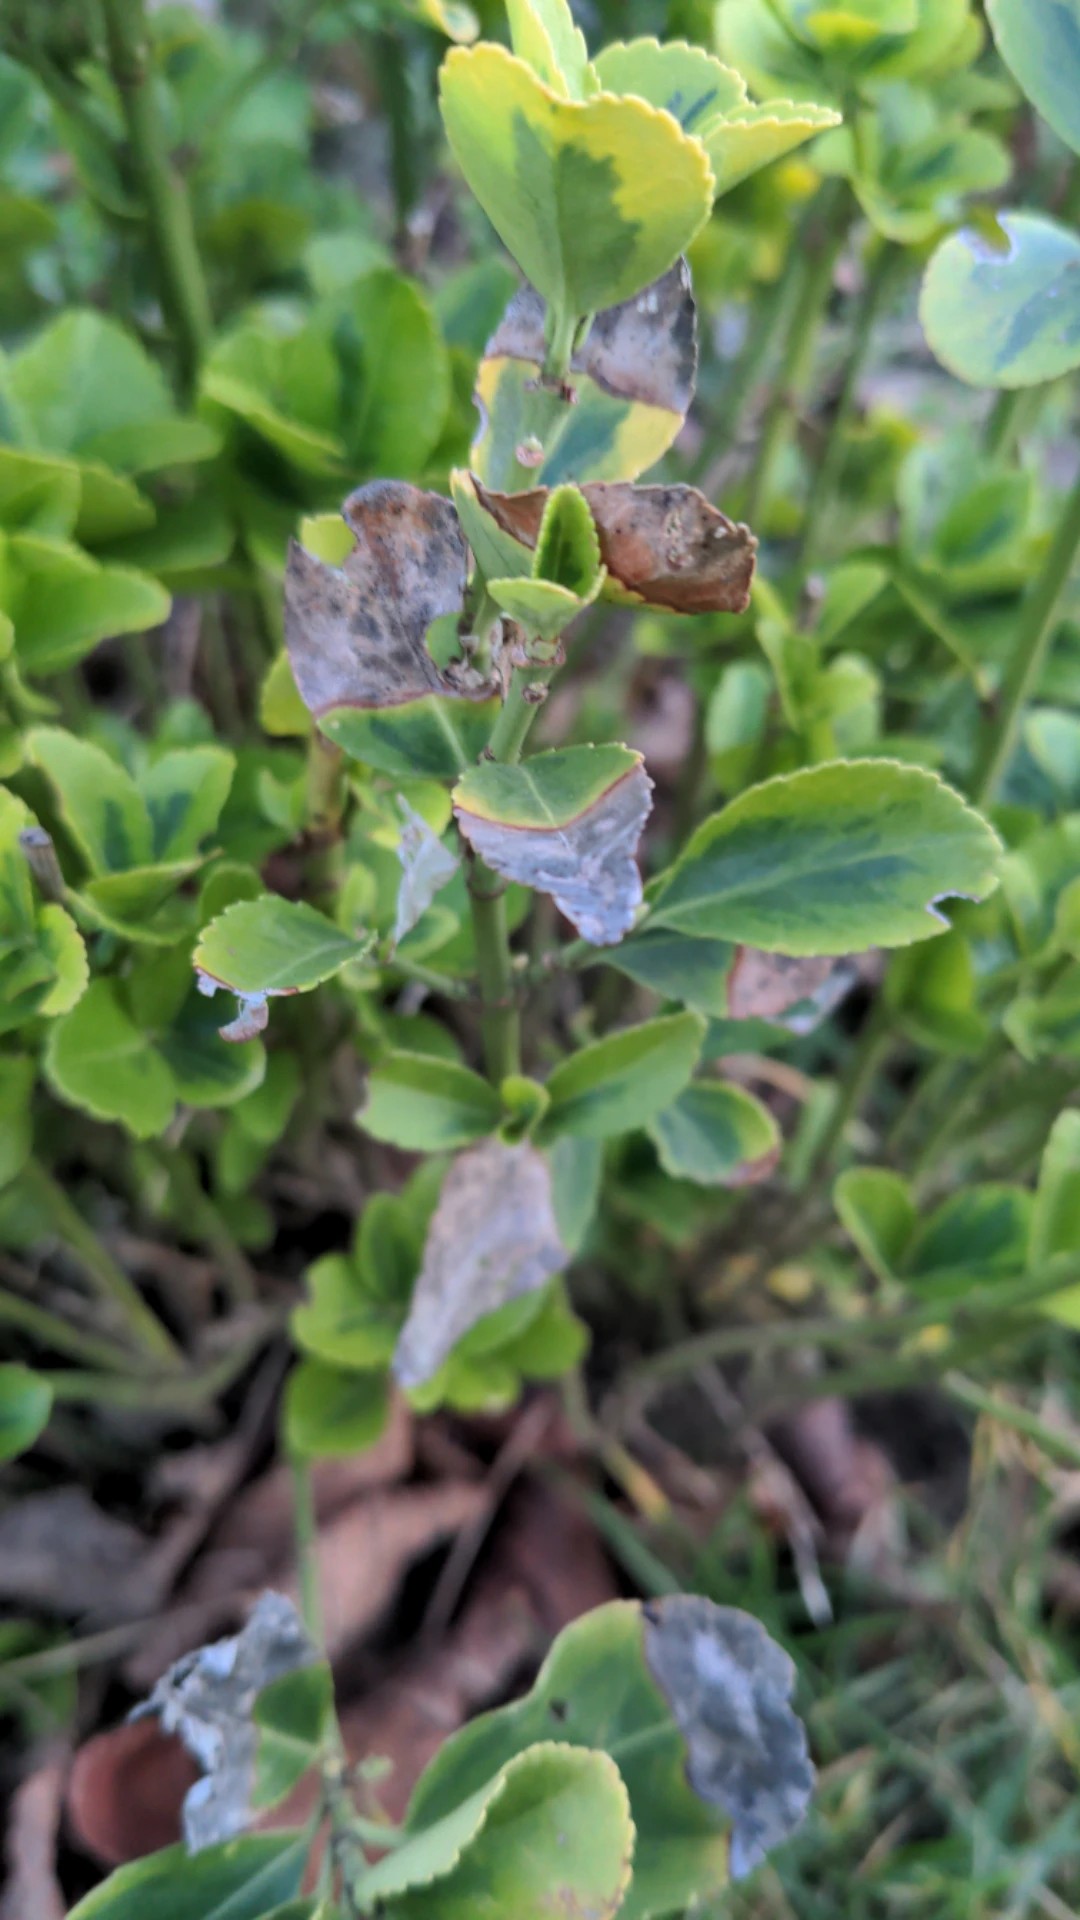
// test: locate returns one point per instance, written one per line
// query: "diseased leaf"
(566, 823)
(594, 200)
(729, 1687)
(620, 1082)
(632, 380)
(427, 867)
(664, 545)
(649, 1704)
(355, 635)
(1039, 41)
(427, 1105)
(1005, 312)
(716, 1135)
(493, 1239)
(797, 993)
(834, 859)
(209, 1699)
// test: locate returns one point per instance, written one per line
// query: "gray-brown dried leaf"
(644, 350)
(770, 986)
(729, 1688)
(208, 1697)
(426, 867)
(587, 863)
(493, 1238)
(355, 633)
(667, 546)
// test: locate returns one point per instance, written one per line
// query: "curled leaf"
(566, 823)
(729, 1688)
(355, 633)
(632, 379)
(665, 545)
(208, 1698)
(426, 867)
(493, 1238)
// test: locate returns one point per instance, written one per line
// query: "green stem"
(196, 1211)
(443, 984)
(168, 211)
(50, 1330)
(873, 1043)
(1012, 414)
(1035, 631)
(324, 807)
(808, 299)
(110, 1281)
(824, 487)
(307, 1540)
(501, 1016)
(978, 1307)
(1059, 1444)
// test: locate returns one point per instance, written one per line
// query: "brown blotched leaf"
(355, 633)
(644, 350)
(767, 986)
(666, 545)
(59, 1553)
(493, 1237)
(729, 1688)
(207, 1698)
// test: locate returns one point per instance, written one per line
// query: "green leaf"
(837, 858)
(632, 376)
(17, 1077)
(878, 1211)
(621, 1082)
(385, 325)
(566, 823)
(293, 1719)
(979, 1234)
(62, 602)
(1039, 41)
(99, 802)
(550, 1833)
(594, 200)
(678, 968)
(83, 378)
(715, 1135)
(184, 793)
(544, 35)
(25, 1406)
(691, 1703)
(427, 1105)
(331, 1412)
(1001, 308)
(272, 945)
(99, 1060)
(242, 1880)
(1055, 1221)
(205, 1073)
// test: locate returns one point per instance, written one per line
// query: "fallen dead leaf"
(60, 1554)
(766, 986)
(126, 1790)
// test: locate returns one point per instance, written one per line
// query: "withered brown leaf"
(665, 545)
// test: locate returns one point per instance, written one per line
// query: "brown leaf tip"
(729, 1687)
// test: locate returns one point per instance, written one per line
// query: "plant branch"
(1035, 631)
(168, 210)
(110, 1282)
(824, 486)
